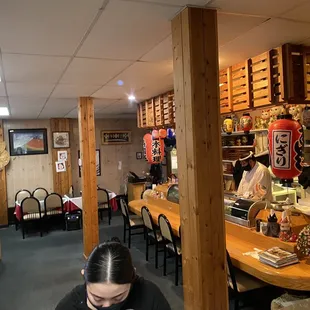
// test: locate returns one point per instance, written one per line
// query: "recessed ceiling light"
(0, 78)
(4, 111)
(131, 98)
(120, 83)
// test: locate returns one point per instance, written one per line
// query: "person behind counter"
(111, 283)
(256, 179)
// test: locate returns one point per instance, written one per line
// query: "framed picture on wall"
(98, 163)
(116, 137)
(28, 141)
(61, 140)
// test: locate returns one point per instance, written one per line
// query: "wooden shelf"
(228, 175)
(306, 145)
(228, 161)
(239, 147)
(240, 133)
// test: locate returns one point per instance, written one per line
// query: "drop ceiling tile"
(262, 7)
(25, 103)
(30, 68)
(100, 104)
(270, 34)
(93, 71)
(115, 116)
(2, 89)
(300, 13)
(114, 92)
(45, 27)
(142, 74)
(128, 30)
(29, 89)
(25, 113)
(58, 107)
(161, 52)
(180, 3)
(3, 102)
(231, 26)
(72, 114)
(74, 90)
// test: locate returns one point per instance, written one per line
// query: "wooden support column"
(88, 173)
(3, 188)
(196, 84)
(62, 180)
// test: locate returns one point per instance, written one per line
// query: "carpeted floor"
(36, 273)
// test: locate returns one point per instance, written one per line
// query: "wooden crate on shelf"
(240, 82)
(141, 115)
(225, 90)
(150, 113)
(306, 63)
(261, 86)
(277, 77)
(169, 109)
(159, 111)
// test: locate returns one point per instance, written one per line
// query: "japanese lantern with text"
(154, 147)
(285, 137)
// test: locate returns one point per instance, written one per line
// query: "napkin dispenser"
(244, 211)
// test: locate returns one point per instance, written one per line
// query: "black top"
(144, 295)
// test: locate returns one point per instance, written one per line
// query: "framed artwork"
(138, 155)
(98, 163)
(28, 141)
(62, 155)
(61, 139)
(61, 166)
(115, 137)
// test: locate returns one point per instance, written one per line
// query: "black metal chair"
(240, 283)
(31, 212)
(40, 193)
(172, 247)
(104, 203)
(153, 235)
(131, 223)
(53, 207)
(19, 196)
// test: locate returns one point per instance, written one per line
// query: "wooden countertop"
(296, 277)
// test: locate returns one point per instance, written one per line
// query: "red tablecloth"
(69, 206)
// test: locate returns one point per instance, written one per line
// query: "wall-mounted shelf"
(228, 175)
(228, 161)
(241, 133)
(239, 147)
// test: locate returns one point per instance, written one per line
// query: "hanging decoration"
(228, 125)
(246, 122)
(285, 137)
(155, 134)
(162, 133)
(170, 133)
(153, 148)
(147, 146)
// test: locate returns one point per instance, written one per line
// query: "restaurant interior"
(182, 127)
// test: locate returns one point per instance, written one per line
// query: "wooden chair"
(153, 236)
(31, 212)
(104, 203)
(173, 245)
(53, 207)
(240, 282)
(19, 197)
(40, 193)
(131, 223)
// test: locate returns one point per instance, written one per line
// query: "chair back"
(31, 205)
(40, 193)
(124, 208)
(165, 228)
(231, 274)
(147, 218)
(53, 202)
(103, 196)
(22, 194)
(71, 191)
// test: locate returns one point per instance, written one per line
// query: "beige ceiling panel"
(255, 7)
(178, 2)
(45, 27)
(29, 68)
(25, 113)
(100, 104)
(271, 34)
(161, 52)
(58, 107)
(142, 74)
(3, 102)
(29, 89)
(128, 30)
(2, 89)
(72, 114)
(93, 71)
(25, 103)
(232, 26)
(74, 90)
(114, 92)
(115, 116)
(300, 13)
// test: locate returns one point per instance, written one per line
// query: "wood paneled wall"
(28, 171)
(3, 190)
(61, 180)
(111, 177)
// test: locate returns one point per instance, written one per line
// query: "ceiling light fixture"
(131, 98)
(120, 83)
(4, 111)
(0, 78)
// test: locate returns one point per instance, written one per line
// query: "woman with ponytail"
(111, 283)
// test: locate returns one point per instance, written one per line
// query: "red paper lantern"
(155, 134)
(162, 133)
(154, 149)
(285, 137)
(147, 146)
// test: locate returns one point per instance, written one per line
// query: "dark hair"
(110, 262)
